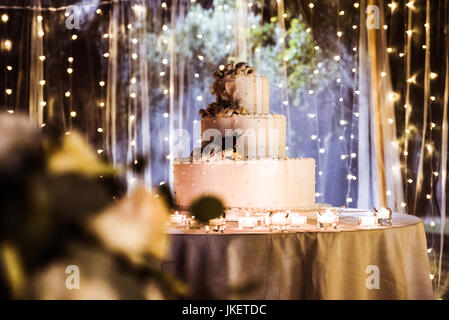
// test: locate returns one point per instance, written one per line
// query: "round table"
(305, 263)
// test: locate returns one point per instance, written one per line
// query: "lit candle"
(279, 218)
(383, 213)
(266, 219)
(327, 219)
(177, 218)
(367, 221)
(297, 220)
(279, 221)
(384, 216)
(247, 222)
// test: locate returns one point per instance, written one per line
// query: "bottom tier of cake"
(261, 184)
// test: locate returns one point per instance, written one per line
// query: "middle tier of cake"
(263, 184)
(259, 136)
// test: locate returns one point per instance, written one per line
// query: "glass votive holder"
(216, 225)
(260, 219)
(177, 219)
(267, 220)
(384, 216)
(327, 220)
(367, 221)
(191, 223)
(297, 220)
(247, 222)
(279, 221)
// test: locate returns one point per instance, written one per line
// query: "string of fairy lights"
(70, 64)
(315, 136)
(42, 58)
(6, 45)
(102, 84)
(341, 103)
(348, 155)
(342, 122)
(282, 15)
(352, 154)
(313, 116)
(133, 37)
(166, 46)
(409, 9)
(429, 196)
(73, 112)
(428, 105)
(132, 98)
(411, 82)
(39, 117)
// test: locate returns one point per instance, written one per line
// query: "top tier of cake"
(238, 90)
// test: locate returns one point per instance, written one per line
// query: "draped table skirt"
(307, 263)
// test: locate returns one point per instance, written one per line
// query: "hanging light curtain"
(388, 180)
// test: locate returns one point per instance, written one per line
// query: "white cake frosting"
(260, 136)
(254, 93)
(262, 184)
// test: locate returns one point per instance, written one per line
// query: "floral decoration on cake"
(224, 88)
(227, 154)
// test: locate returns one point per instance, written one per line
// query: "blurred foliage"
(207, 208)
(298, 58)
(210, 33)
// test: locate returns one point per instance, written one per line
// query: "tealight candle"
(279, 219)
(267, 219)
(367, 221)
(247, 222)
(327, 220)
(383, 213)
(297, 220)
(384, 216)
(191, 223)
(217, 224)
(177, 218)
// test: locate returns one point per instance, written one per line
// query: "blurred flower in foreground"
(124, 263)
(57, 214)
(135, 226)
(75, 156)
(22, 166)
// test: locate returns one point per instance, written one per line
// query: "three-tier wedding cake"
(243, 158)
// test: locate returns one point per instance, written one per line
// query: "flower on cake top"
(213, 155)
(215, 109)
(224, 88)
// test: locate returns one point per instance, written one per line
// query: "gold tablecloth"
(304, 263)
